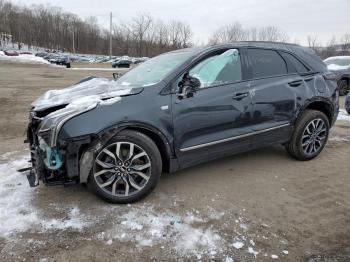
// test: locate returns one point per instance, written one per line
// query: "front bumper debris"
(32, 177)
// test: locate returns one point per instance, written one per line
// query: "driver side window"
(219, 69)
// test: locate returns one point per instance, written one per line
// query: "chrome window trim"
(232, 138)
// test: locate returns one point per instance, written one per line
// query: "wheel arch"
(88, 151)
(344, 78)
(319, 104)
(161, 141)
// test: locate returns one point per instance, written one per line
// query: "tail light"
(331, 77)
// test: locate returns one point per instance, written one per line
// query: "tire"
(348, 110)
(343, 87)
(141, 171)
(300, 145)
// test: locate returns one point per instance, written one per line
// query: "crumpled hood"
(94, 88)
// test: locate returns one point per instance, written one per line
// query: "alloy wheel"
(314, 136)
(122, 169)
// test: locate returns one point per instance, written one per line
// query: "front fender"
(145, 110)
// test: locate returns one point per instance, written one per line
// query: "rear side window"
(266, 63)
(296, 65)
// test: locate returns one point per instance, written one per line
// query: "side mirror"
(188, 86)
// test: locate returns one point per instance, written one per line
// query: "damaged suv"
(180, 109)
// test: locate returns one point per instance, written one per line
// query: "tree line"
(333, 47)
(236, 32)
(54, 29)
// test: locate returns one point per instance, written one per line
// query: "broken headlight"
(53, 122)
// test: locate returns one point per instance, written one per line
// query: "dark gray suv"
(180, 109)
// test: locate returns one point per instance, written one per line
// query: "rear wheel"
(126, 169)
(343, 87)
(310, 135)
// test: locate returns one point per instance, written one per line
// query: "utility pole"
(73, 42)
(110, 37)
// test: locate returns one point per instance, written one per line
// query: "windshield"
(154, 70)
(338, 61)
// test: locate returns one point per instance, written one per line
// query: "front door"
(214, 121)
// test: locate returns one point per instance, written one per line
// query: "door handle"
(295, 83)
(240, 96)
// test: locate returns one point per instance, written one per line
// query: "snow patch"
(97, 69)
(252, 251)
(238, 245)
(335, 67)
(339, 139)
(73, 221)
(343, 115)
(147, 227)
(17, 214)
(24, 59)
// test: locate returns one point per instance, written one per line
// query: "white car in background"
(340, 65)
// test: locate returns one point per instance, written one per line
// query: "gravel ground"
(256, 206)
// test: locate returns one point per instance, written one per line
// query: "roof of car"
(304, 53)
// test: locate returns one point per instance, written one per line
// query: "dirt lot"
(257, 206)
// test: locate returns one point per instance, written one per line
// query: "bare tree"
(141, 25)
(345, 44)
(236, 32)
(272, 33)
(52, 28)
(313, 42)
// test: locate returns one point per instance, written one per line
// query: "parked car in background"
(58, 59)
(340, 65)
(122, 63)
(137, 61)
(180, 109)
(63, 60)
(11, 53)
(41, 54)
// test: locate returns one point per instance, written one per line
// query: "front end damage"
(53, 163)
(67, 161)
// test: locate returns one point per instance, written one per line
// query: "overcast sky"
(299, 18)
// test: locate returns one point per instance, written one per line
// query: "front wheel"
(126, 169)
(310, 135)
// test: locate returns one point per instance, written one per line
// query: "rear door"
(274, 95)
